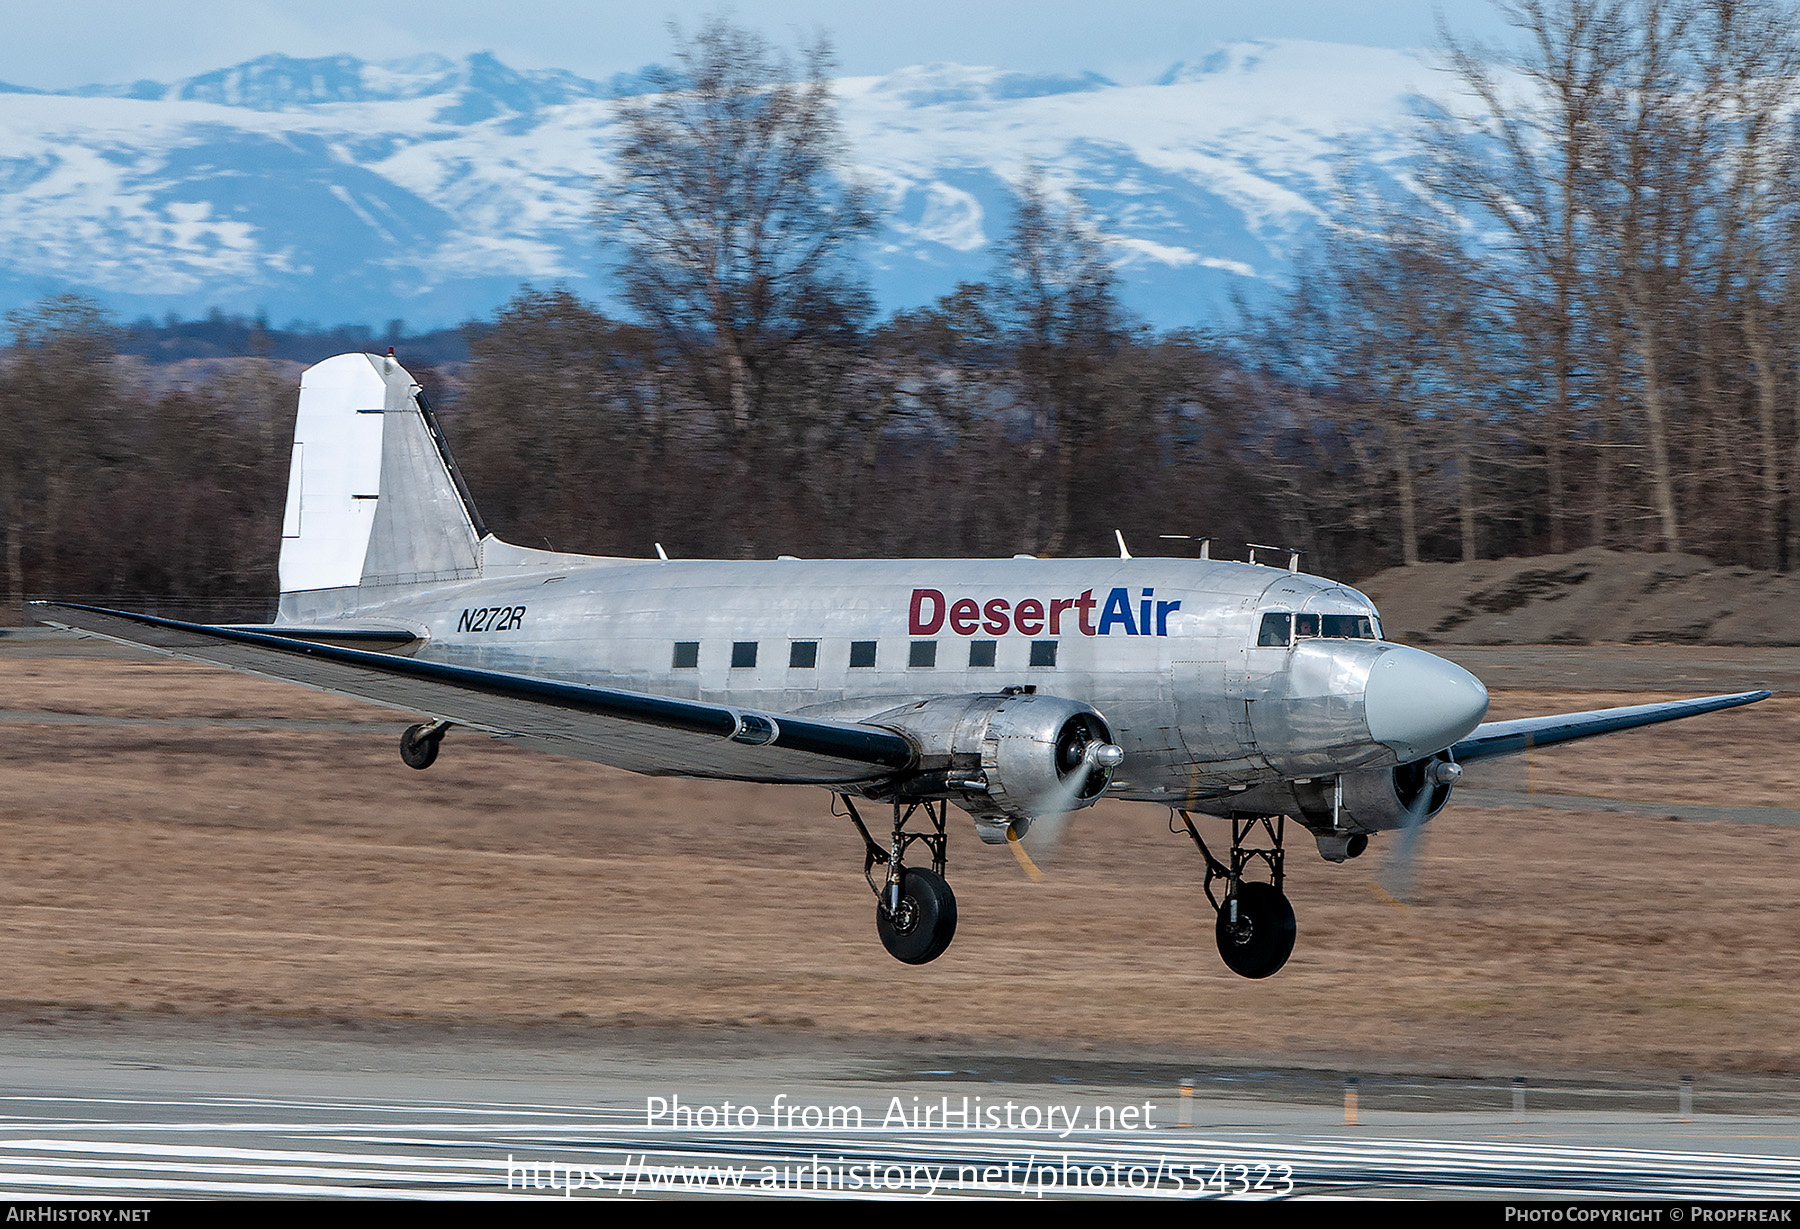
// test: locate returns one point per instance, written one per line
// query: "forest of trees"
(1581, 326)
(1582, 330)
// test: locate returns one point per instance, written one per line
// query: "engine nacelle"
(1382, 799)
(1373, 800)
(1006, 759)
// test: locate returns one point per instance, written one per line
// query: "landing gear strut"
(915, 911)
(1255, 928)
(419, 745)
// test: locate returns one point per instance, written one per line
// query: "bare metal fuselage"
(1165, 649)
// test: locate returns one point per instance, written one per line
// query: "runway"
(543, 1125)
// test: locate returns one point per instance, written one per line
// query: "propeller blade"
(1504, 774)
(1016, 843)
(1055, 813)
(1398, 879)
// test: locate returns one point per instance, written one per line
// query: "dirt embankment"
(1588, 597)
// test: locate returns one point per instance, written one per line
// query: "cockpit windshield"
(1280, 629)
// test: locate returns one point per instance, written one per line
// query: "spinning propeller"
(1398, 879)
(1080, 752)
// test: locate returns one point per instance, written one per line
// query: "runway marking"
(439, 1149)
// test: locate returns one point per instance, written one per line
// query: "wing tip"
(1735, 699)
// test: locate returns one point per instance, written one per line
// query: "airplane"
(1016, 689)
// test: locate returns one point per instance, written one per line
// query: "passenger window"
(862, 654)
(687, 655)
(924, 653)
(981, 653)
(803, 655)
(1043, 652)
(1274, 631)
(743, 654)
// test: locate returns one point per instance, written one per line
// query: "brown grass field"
(189, 843)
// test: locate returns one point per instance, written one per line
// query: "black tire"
(927, 920)
(1263, 937)
(418, 752)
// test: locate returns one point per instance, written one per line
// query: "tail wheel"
(419, 749)
(921, 928)
(1260, 938)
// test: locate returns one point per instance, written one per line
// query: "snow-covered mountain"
(340, 190)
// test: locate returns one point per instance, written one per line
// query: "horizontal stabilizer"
(627, 729)
(1511, 737)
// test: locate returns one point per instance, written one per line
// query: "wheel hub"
(1243, 931)
(906, 916)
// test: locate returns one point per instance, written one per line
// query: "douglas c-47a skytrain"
(1013, 689)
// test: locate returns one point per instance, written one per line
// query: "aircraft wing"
(627, 729)
(381, 639)
(1496, 738)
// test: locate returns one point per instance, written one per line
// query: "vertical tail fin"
(374, 500)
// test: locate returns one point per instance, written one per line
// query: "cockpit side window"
(1306, 625)
(1348, 627)
(1274, 631)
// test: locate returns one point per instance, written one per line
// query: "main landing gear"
(419, 745)
(915, 911)
(1255, 928)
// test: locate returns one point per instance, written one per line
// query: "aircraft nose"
(1419, 704)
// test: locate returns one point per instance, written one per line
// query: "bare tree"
(563, 426)
(734, 214)
(1650, 181)
(56, 398)
(1749, 61)
(1521, 163)
(1059, 312)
